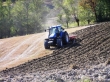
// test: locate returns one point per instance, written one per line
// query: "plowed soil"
(93, 49)
(18, 50)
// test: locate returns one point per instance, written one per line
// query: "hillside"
(18, 50)
(94, 49)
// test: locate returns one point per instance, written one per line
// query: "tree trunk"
(77, 20)
(67, 23)
(95, 15)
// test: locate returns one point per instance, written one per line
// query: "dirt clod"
(107, 62)
(73, 66)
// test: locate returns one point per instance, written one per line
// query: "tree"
(103, 7)
(89, 4)
(72, 5)
(64, 12)
(5, 15)
(20, 17)
(69, 9)
(28, 16)
(100, 8)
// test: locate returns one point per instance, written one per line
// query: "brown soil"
(93, 49)
(18, 50)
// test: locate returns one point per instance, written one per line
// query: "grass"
(81, 23)
(85, 79)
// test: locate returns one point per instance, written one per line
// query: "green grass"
(85, 79)
(74, 24)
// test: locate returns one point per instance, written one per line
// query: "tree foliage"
(21, 17)
(84, 10)
(100, 8)
(68, 10)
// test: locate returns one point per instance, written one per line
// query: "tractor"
(57, 37)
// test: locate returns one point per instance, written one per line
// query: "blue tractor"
(57, 37)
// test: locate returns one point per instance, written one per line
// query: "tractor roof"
(55, 26)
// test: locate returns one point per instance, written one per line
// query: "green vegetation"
(83, 12)
(85, 79)
(20, 17)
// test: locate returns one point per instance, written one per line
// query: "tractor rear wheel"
(46, 45)
(59, 43)
(66, 38)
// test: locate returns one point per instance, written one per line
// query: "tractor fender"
(62, 34)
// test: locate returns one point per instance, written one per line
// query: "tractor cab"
(55, 31)
(57, 36)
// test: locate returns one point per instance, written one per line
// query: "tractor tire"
(66, 38)
(46, 45)
(59, 43)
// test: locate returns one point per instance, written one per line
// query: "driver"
(56, 30)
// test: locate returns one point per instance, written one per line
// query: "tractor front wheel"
(46, 45)
(59, 43)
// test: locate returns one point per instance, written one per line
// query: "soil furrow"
(93, 49)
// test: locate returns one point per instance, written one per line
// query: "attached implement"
(73, 39)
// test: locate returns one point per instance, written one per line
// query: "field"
(18, 50)
(94, 49)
